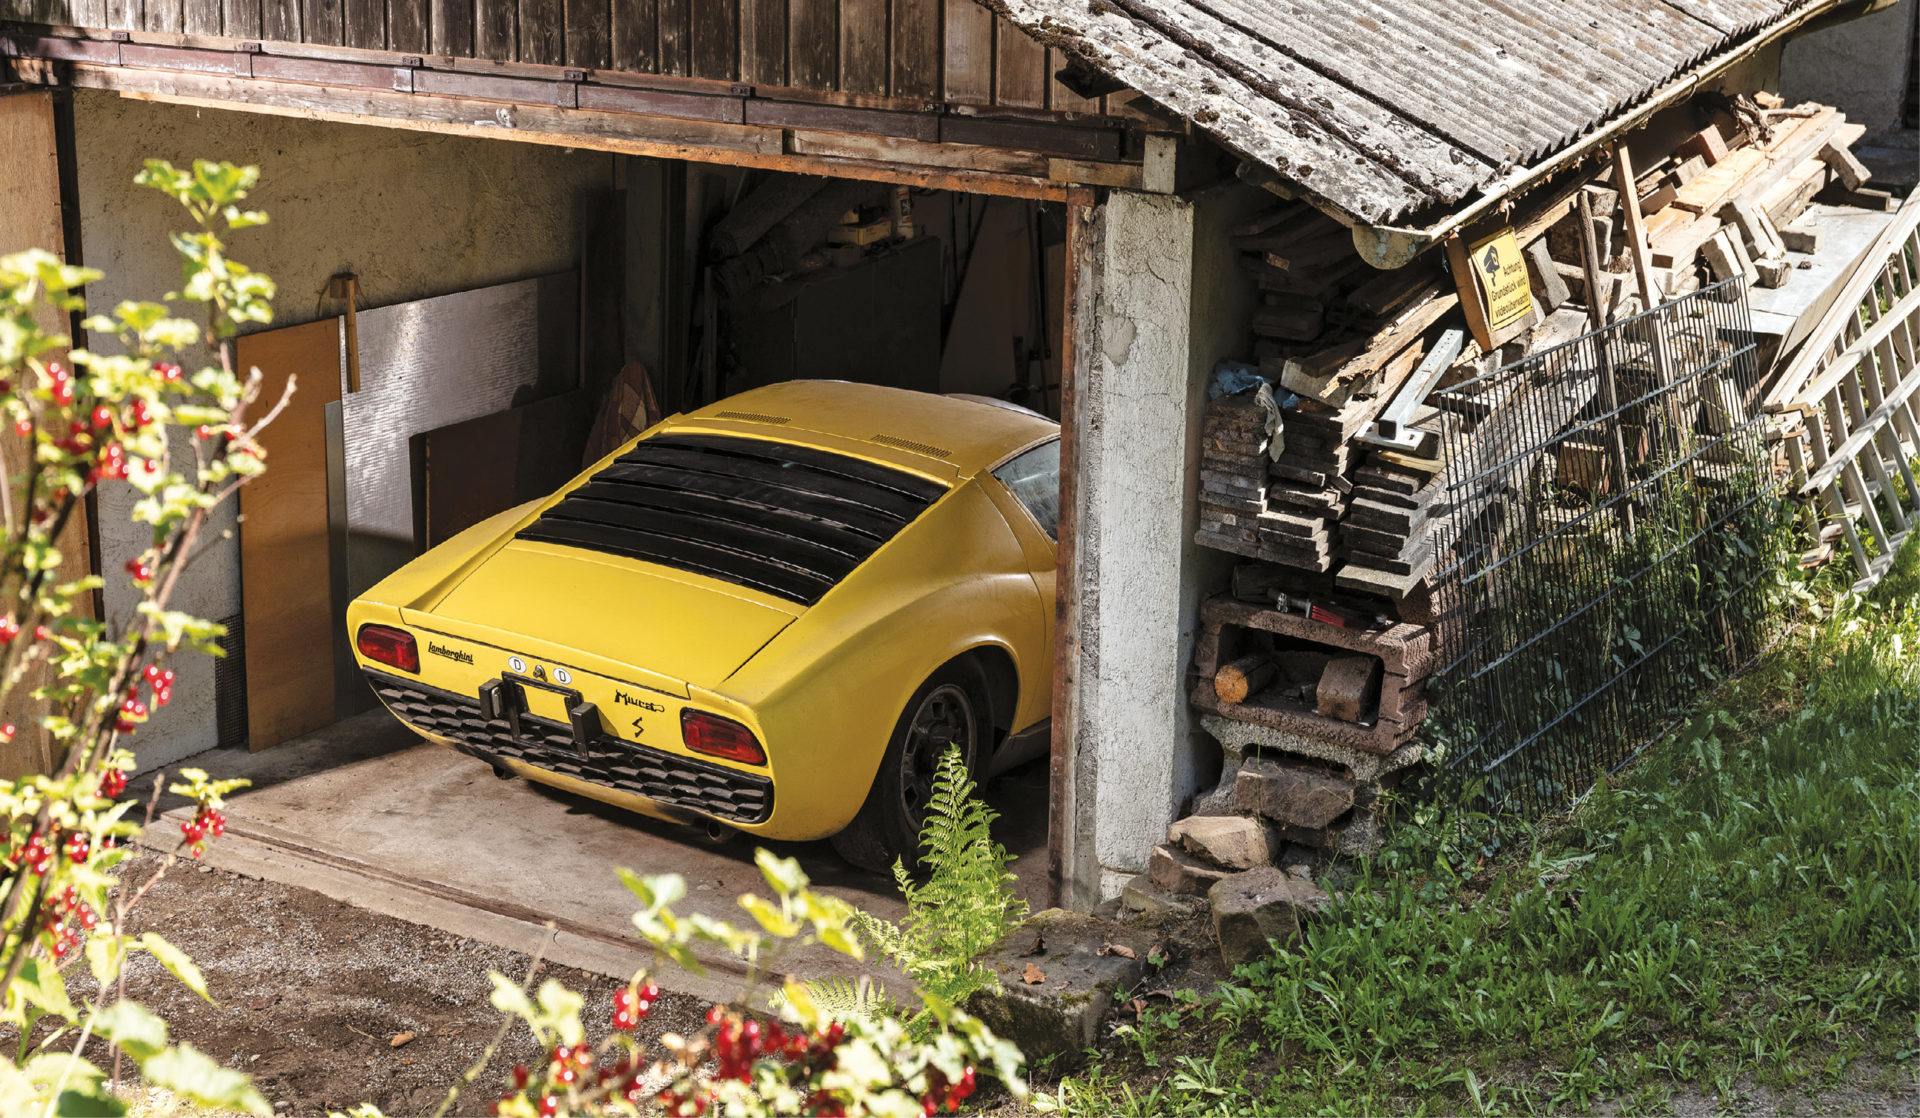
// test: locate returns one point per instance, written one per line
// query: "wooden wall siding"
(920, 50)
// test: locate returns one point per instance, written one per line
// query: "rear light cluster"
(393, 647)
(720, 737)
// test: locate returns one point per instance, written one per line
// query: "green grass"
(1742, 905)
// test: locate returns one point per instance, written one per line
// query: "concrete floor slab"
(367, 813)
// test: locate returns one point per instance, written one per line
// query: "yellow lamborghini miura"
(771, 615)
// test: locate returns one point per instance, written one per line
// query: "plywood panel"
(285, 576)
(30, 217)
(472, 470)
(969, 53)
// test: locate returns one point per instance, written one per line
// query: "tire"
(951, 705)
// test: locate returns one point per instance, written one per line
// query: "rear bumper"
(675, 784)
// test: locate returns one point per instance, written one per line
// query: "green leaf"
(105, 953)
(656, 891)
(95, 1103)
(130, 1027)
(508, 997)
(561, 1008)
(188, 1071)
(177, 964)
(783, 874)
(44, 986)
(771, 918)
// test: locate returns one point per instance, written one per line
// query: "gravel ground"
(310, 993)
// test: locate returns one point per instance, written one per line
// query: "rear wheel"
(949, 709)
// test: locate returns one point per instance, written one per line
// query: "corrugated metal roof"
(1388, 107)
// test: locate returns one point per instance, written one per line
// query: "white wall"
(1860, 66)
(412, 214)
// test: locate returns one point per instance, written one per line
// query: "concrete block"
(1349, 688)
(1233, 841)
(1237, 737)
(1252, 908)
(1291, 795)
(1061, 1015)
(1177, 871)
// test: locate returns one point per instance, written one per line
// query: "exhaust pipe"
(503, 772)
(715, 832)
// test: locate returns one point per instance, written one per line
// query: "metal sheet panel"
(430, 363)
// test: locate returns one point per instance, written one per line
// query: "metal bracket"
(1391, 430)
(566, 91)
(243, 59)
(403, 73)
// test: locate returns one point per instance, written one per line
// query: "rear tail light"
(393, 647)
(720, 737)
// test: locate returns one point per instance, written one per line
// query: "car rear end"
(586, 643)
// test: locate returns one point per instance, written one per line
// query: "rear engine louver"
(899, 443)
(753, 417)
(787, 520)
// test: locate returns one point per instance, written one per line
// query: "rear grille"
(753, 417)
(788, 520)
(665, 778)
(899, 443)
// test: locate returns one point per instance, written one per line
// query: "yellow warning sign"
(1502, 274)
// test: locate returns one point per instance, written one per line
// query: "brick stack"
(1281, 510)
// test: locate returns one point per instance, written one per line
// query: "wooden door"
(286, 575)
(31, 217)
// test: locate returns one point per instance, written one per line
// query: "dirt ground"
(312, 991)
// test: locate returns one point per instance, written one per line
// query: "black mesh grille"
(788, 520)
(666, 778)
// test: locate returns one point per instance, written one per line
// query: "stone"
(1349, 688)
(1177, 871)
(1233, 841)
(1291, 795)
(1298, 861)
(1142, 897)
(1238, 738)
(1061, 1015)
(1255, 906)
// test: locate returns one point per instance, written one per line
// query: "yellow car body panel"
(821, 685)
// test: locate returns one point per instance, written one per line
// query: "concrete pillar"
(1160, 300)
(1132, 408)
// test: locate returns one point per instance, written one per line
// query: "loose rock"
(1233, 841)
(1293, 796)
(1177, 871)
(1255, 906)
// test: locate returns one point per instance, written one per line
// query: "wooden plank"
(813, 38)
(676, 36)
(716, 39)
(285, 570)
(1020, 68)
(407, 26)
(165, 16)
(200, 17)
(1059, 96)
(496, 28)
(543, 32)
(239, 19)
(366, 23)
(1706, 194)
(636, 44)
(123, 15)
(321, 22)
(763, 42)
(967, 64)
(863, 46)
(280, 20)
(916, 49)
(31, 217)
(589, 34)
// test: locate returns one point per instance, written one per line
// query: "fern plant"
(965, 905)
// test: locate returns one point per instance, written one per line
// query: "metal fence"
(1609, 529)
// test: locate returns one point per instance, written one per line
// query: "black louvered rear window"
(788, 520)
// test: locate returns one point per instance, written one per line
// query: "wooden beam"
(1062, 806)
(742, 145)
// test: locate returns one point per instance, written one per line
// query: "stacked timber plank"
(1237, 511)
(1724, 203)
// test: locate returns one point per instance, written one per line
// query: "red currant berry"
(23, 428)
(9, 629)
(549, 1106)
(520, 1075)
(102, 418)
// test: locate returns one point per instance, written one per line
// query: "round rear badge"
(517, 665)
(562, 676)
